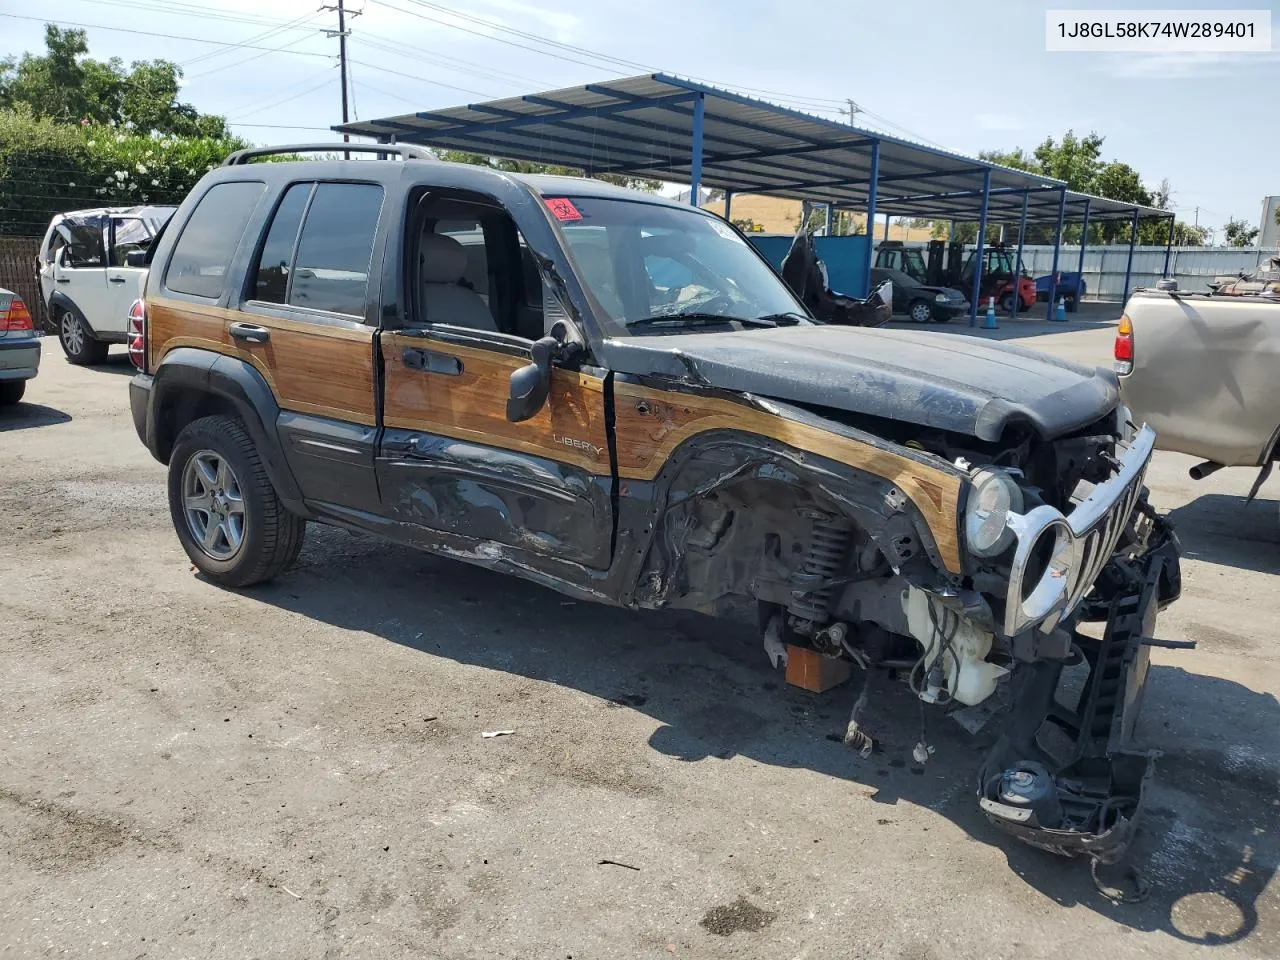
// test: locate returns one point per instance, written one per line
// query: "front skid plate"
(1096, 795)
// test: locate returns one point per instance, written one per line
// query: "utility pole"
(850, 111)
(342, 35)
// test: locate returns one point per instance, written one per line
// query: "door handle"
(249, 332)
(430, 361)
(115, 279)
(63, 280)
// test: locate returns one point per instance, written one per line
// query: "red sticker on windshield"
(563, 208)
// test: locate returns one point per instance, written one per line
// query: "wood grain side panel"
(473, 405)
(652, 423)
(310, 367)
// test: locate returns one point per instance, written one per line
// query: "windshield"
(664, 267)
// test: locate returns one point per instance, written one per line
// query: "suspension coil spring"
(827, 550)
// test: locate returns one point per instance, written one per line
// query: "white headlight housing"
(942, 298)
(994, 496)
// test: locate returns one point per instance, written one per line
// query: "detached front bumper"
(1085, 799)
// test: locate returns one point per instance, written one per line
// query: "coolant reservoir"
(974, 680)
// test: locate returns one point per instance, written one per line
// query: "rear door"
(450, 460)
(302, 318)
(124, 283)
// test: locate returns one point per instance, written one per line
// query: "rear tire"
(1006, 303)
(11, 392)
(225, 510)
(920, 311)
(77, 340)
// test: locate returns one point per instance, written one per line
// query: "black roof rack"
(385, 149)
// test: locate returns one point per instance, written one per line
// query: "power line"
(276, 103)
(165, 36)
(437, 83)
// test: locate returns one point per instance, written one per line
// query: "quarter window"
(202, 255)
(331, 269)
(272, 283)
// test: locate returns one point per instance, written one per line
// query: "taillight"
(136, 331)
(1124, 346)
(16, 316)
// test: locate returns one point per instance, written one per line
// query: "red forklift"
(947, 266)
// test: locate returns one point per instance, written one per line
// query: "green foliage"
(48, 168)
(1239, 233)
(67, 86)
(525, 166)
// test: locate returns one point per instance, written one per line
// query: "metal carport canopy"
(645, 126)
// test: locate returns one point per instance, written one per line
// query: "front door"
(79, 269)
(450, 460)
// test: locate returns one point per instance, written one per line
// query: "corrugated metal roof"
(643, 126)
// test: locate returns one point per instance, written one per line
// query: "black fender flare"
(235, 383)
(60, 301)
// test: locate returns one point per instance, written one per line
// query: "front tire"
(1006, 303)
(77, 340)
(920, 311)
(11, 392)
(225, 510)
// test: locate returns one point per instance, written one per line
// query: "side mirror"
(135, 258)
(530, 385)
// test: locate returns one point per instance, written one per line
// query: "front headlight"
(942, 298)
(994, 496)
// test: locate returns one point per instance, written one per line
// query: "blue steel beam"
(1084, 240)
(871, 212)
(695, 165)
(1022, 232)
(1128, 267)
(728, 202)
(980, 252)
(1057, 249)
(831, 212)
(1168, 250)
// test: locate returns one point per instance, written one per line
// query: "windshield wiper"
(700, 319)
(788, 319)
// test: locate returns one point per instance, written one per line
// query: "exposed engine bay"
(1056, 534)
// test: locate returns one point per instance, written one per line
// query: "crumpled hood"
(944, 380)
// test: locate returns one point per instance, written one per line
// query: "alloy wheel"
(213, 504)
(72, 332)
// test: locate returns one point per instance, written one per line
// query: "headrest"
(444, 259)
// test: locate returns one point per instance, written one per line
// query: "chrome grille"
(1083, 543)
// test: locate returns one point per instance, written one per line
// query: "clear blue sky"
(965, 74)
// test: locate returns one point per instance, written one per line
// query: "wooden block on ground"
(810, 670)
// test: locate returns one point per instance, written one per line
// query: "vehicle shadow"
(1212, 839)
(1221, 528)
(23, 416)
(115, 363)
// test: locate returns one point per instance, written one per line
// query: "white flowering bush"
(48, 168)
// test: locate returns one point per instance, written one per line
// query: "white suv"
(86, 276)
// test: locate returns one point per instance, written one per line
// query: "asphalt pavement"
(297, 770)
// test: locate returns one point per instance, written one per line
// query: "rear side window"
(209, 240)
(272, 283)
(128, 234)
(331, 268)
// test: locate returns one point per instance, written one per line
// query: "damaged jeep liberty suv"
(616, 397)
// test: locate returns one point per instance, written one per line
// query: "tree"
(1239, 233)
(525, 166)
(67, 86)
